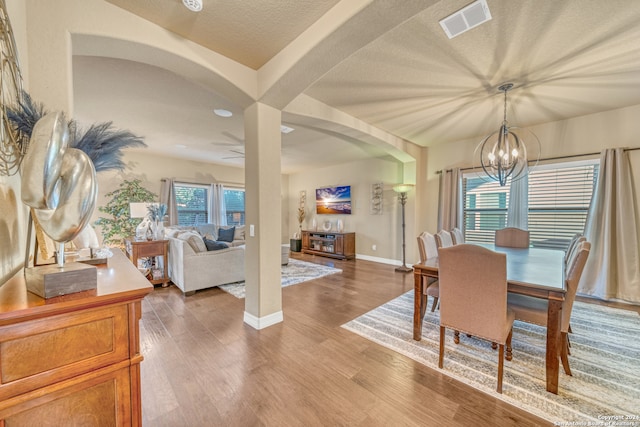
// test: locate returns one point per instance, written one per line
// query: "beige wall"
(586, 134)
(384, 230)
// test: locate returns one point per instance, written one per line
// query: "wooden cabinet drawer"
(102, 398)
(151, 249)
(39, 352)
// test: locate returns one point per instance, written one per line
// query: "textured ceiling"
(566, 58)
(249, 32)
(176, 118)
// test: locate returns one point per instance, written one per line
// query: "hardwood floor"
(204, 367)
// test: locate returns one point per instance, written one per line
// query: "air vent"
(466, 18)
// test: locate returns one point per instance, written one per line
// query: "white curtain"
(450, 200)
(168, 197)
(518, 210)
(217, 207)
(612, 269)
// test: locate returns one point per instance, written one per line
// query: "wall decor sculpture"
(58, 182)
(12, 148)
(101, 142)
(376, 199)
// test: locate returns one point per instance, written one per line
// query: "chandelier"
(503, 153)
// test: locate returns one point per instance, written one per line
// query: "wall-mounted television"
(333, 200)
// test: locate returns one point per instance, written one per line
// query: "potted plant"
(296, 242)
(120, 224)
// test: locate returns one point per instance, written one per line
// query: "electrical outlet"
(374, 247)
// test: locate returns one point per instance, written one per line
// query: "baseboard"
(378, 259)
(263, 322)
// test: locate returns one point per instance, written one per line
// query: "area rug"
(293, 273)
(604, 360)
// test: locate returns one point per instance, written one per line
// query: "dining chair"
(534, 310)
(512, 237)
(428, 249)
(444, 239)
(458, 237)
(473, 298)
(572, 245)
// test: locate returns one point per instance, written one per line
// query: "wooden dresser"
(74, 359)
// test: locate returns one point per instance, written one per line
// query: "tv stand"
(330, 244)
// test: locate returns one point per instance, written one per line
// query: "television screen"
(333, 200)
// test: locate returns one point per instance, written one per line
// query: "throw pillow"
(239, 233)
(207, 228)
(171, 232)
(212, 245)
(194, 240)
(226, 234)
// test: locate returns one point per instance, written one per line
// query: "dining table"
(535, 272)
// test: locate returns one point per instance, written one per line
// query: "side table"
(149, 248)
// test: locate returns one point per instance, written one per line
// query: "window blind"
(191, 202)
(559, 198)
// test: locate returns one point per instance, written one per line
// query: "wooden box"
(48, 281)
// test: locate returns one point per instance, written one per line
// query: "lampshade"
(138, 210)
(504, 153)
(402, 188)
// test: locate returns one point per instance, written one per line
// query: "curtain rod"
(544, 160)
(186, 181)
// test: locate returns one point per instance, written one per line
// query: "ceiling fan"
(239, 155)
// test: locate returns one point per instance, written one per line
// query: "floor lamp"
(402, 190)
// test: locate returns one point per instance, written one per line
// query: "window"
(193, 204)
(191, 201)
(234, 202)
(559, 198)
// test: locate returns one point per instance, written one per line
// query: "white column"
(263, 303)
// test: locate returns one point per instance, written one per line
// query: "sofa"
(192, 267)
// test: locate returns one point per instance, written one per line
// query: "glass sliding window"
(559, 198)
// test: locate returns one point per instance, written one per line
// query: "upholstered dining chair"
(512, 237)
(428, 250)
(473, 298)
(534, 310)
(572, 246)
(444, 239)
(458, 237)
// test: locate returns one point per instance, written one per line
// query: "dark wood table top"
(540, 268)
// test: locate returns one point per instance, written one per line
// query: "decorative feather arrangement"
(104, 145)
(25, 116)
(157, 211)
(100, 142)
